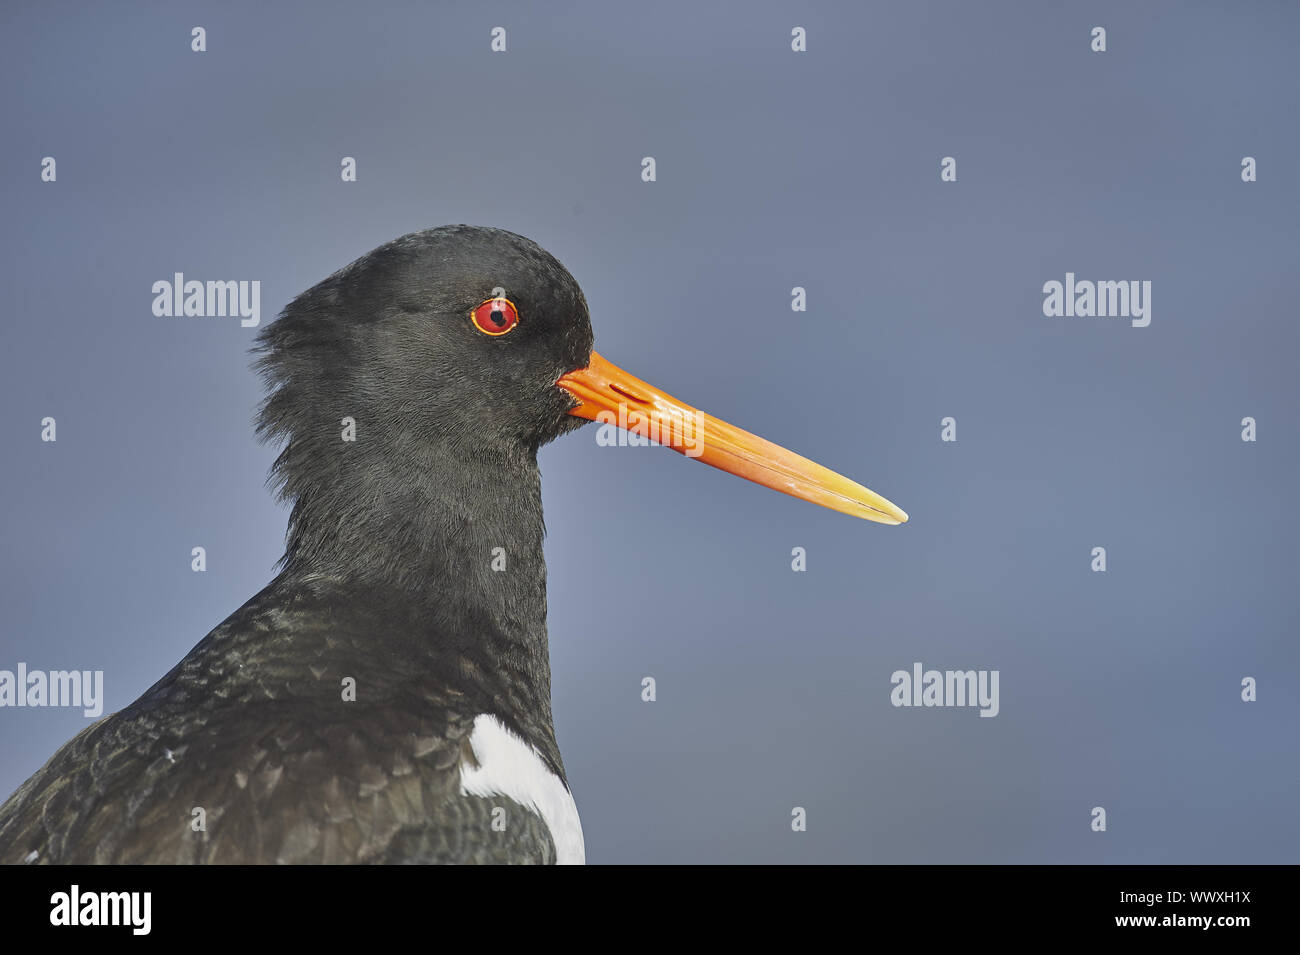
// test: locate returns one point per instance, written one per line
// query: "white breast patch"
(507, 766)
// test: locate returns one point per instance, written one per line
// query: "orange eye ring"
(495, 316)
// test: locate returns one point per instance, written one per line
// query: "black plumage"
(386, 580)
(411, 391)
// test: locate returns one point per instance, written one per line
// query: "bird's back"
(308, 727)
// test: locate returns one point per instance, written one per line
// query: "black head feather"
(448, 420)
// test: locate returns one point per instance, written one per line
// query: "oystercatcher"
(387, 697)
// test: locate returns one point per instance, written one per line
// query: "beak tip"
(887, 512)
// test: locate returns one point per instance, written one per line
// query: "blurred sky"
(775, 169)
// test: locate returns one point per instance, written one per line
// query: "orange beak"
(609, 395)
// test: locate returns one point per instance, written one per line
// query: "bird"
(386, 698)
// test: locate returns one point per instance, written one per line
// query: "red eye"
(496, 316)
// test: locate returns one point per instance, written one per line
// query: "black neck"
(455, 536)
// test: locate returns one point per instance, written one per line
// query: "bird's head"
(454, 336)
(477, 342)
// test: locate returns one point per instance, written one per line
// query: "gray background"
(775, 169)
